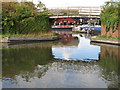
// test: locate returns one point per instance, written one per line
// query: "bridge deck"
(81, 11)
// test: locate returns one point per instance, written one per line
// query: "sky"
(66, 3)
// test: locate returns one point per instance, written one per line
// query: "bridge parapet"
(82, 11)
(80, 16)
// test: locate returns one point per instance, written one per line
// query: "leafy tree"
(110, 15)
(24, 18)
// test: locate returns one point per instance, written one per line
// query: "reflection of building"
(112, 52)
(109, 62)
(63, 31)
(67, 38)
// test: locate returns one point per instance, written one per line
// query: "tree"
(23, 18)
(110, 15)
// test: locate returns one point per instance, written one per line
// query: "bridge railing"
(76, 11)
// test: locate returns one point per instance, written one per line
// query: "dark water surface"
(68, 63)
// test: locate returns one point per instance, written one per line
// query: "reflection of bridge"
(82, 39)
(75, 12)
(76, 35)
(81, 35)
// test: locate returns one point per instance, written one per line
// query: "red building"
(65, 21)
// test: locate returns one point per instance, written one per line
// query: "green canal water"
(67, 63)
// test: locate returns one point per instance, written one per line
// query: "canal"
(72, 62)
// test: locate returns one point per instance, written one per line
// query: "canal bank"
(106, 41)
(27, 39)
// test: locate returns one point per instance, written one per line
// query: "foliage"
(110, 15)
(24, 18)
(55, 34)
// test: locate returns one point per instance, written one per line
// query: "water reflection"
(109, 63)
(81, 51)
(24, 60)
(35, 65)
(62, 31)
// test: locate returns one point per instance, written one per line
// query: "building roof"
(65, 20)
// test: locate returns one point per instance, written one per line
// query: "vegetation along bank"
(24, 18)
(110, 18)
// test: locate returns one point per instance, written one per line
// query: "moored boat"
(87, 27)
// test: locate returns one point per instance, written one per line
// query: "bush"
(24, 18)
(110, 15)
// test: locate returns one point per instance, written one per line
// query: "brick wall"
(110, 33)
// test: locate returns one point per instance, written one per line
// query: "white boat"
(87, 27)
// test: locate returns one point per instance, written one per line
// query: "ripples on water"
(68, 63)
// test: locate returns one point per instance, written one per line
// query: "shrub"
(110, 15)
(24, 18)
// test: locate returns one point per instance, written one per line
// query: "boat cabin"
(65, 21)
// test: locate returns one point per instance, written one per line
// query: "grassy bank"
(49, 34)
(106, 38)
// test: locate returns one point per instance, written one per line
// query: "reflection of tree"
(109, 63)
(23, 61)
(76, 66)
(38, 72)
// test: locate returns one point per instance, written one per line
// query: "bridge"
(75, 12)
(67, 16)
